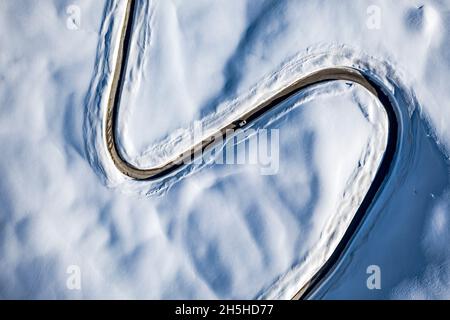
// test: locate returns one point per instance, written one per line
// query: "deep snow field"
(211, 230)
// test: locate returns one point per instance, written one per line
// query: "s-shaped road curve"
(320, 76)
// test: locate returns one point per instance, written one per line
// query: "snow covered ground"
(221, 231)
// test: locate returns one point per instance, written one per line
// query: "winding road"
(345, 73)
